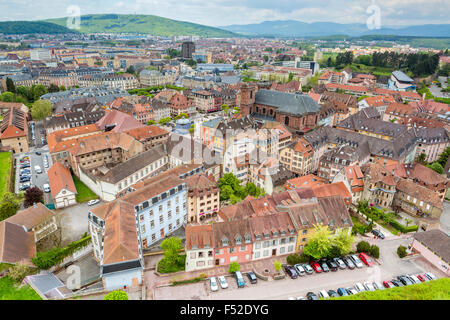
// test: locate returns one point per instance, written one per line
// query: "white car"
(369, 286)
(359, 287)
(92, 202)
(46, 187)
(223, 282)
(213, 284)
(413, 278)
(323, 294)
(37, 169)
(352, 290)
(356, 261)
(378, 285)
(301, 298)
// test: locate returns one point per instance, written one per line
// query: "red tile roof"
(59, 178)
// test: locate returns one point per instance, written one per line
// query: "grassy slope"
(5, 172)
(8, 291)
(431, 290)
(23, 27)
(83, 192)
(149, 24)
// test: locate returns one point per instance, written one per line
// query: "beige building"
(203, 198)
(199, 247)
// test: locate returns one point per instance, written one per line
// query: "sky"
(227, 12)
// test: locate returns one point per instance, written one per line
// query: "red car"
(422, 278)
(316, 267)
(366, 259)
(388, 284)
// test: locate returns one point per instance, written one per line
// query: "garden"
(388, 220)
(5, 172)
(83, 192)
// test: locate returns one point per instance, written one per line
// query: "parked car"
(369, 286)
(413, 278)
(38, 153)
(317, 268)
(378, 233)
(430, 276)
(291, 272)
(351, 291)
(348, 262)
(323, 294)
(252, 277)
(340, 263)
(298, 267)
(223, 282)
(404, 280)
(422, 278)
(359, 287)
(378, 286)
(325, 267)
(311, 296)
(25, 165)
(24, 186)
(332, 293)
(46, 187)
(356, 261)
(333, 266)
(213, 284)
(388, 284)
(239, 279)
(342, 292)
(307, 268)
(300, 298)
(366, 259)
(397, 283)
(37, 169)
(24, 179)
(92, 202)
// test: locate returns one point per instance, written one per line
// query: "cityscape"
(157, 155)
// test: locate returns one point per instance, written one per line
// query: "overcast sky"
(226, 12)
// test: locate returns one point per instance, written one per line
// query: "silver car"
(213, 284)
(369, 286)
(359, 287)
(223, 282)
(356, 261)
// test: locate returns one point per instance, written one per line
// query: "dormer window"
(247, 239)
(225, 242)
(266, 235)
(238, 240)
(275, 234)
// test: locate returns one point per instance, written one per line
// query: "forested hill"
(25, 27)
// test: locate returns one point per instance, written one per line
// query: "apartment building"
(203, 198)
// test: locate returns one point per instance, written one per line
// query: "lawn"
(5, 172)
(9, 291)
(431, 290)
(83, 192)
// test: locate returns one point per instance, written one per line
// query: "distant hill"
(148, 24)
(293, 28)
(25, 27)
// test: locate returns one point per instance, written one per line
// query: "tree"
(62, 88)
(9, 205)
(19, 271)
(226, 192)
(38, 91)
(291, 76)
(41, 109)
(10, 86)
(150, 122)
(401, 251)
(277, 265)
(33, 195)
(117, 295)
(422, 159)
(343, 241)
(234, 266)
(363, 246)
(171, 248)
(53, 88)
(163, 121)
(436, 166)
(131, 70)
(225, 108)
(319, 244)
(7, 96)
(374, 251)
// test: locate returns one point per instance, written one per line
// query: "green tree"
(53, 88)
(172, 248)
(131, 70)
(291, 76)
(436, 166)
(225, 108)
(226, 192)
(9, 205)
(363, 246)
(277, 265)
(7, 96)
(38, 91)
(150, 122)
(234, 266)
(344, 241)
(421, 158)
(10, 86)
(117, 295)
(401, 251)
(62, 88)
(41, 109)
(319, 244)
(163, 121)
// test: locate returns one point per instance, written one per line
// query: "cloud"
(226, 12)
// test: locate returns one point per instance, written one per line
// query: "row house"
(203, 198)
(353, 179)
(150, 136)
(199, 247)
(207, 101)
(431, 142)
(298, 157)
(123, 81)
(72, 119)
(177, 102)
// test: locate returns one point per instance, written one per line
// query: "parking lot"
(37, 179)
(390, 267)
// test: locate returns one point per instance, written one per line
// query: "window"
(153, 237)
(160, 208)
(143, 228)
(290, 248)
(258, 245)
(141, 217)
(282, 249)
(243, 248)
(257, 254)
(266, 253)
(192, 255)
(152, 224)
(170, 227)
(169, 215)
(161, 219)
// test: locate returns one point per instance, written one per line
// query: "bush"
(193, 280)
(166, 265)
(401, 251)
(363, 246)
(19, 271)
(117, 295)
(295, 258)
(234, 266)
(397, 225)
(374, 251)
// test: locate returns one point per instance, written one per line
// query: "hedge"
(402, 228)
(193, 280)
(47, 259)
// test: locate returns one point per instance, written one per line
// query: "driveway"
(74, 221)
